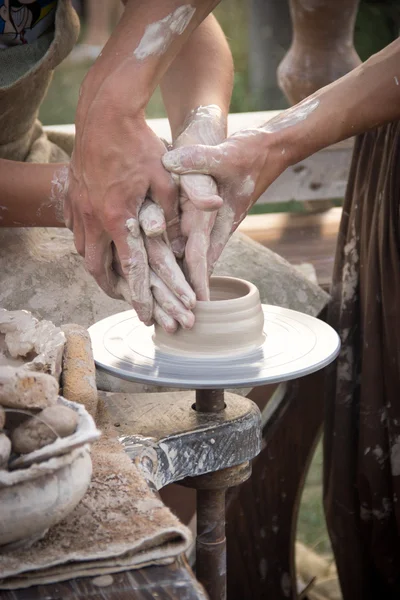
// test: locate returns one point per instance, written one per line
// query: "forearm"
(31, 194)
(201, 75)
(140, 50)
(367, 97)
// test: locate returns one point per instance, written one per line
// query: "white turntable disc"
(295, 345)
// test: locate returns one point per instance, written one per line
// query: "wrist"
(206, 125)
(113, 94)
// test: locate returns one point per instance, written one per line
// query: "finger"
(163, 263)
(164, 192)
(68, 215)
(220, 235)
(169, 302)
(195, 159)
(151, 219)
(165, 321)
(78, 230)
(196, 254)
(98, 262)
(133, 259)
(202, 191)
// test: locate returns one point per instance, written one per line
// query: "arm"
(250, 160)
(196, 91)
(116, 162)
(367, 97)
(201, 75)
(32, 194)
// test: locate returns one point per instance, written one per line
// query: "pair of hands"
(133, 222)
(131, 243)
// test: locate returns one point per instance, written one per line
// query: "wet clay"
(230, 323)
(44, 428)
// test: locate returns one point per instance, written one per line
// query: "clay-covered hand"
(199, 198)
(167, 280)
(164, 272)
(115, 165)
(243, 167)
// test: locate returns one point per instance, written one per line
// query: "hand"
(167, 280)
(115, 165)
(168, 310)
(243, 167)
(198, 193)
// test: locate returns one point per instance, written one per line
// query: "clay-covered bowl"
(43, 487)
(34, 499)
(230, 323)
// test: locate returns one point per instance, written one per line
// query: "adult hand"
(167, 280)
(168, 311)
(199, 198)
(115, 165)
(243, 167)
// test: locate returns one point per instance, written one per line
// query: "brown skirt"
(362, 422)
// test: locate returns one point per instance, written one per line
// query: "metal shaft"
(211, 543)
(210, 401)
(210, 540)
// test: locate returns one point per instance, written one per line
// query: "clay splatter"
(159, 35)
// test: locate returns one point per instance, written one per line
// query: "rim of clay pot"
(244, 289)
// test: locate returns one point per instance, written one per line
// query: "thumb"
(194, 159)
(202, 191)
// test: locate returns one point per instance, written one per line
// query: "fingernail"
(178, 247)
(169, 325)
(187, 321)
(188, 302)
(170, 160)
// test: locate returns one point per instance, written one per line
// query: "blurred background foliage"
(377, 25)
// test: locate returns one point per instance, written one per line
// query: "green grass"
(311, 527)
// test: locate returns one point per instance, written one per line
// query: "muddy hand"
(112, 170)
(243, 167)
(173, 296)
(199, 199)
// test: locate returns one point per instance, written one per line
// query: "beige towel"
(120, 524)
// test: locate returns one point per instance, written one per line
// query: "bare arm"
(365, 98)
(32, 194)
(116, 162)
(200, 75)
(197, 89)
(250, 160)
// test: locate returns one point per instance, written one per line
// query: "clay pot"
(230, 324)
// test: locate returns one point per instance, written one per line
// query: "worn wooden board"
(172, 582)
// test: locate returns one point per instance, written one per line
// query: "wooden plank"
(172, 582)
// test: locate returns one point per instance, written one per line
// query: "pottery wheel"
(295, 345)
